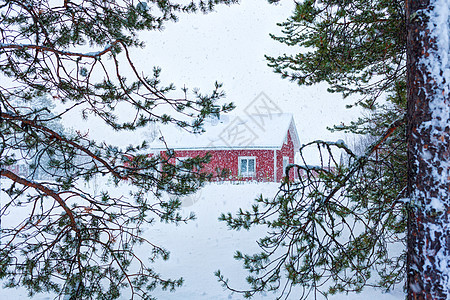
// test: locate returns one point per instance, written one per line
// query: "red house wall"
(229, 159)
(286, 150)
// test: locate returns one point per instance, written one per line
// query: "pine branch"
(60, 52)
(45, 190)
(53, 134)
(357, 165)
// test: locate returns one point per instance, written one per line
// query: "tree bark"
(428, 265)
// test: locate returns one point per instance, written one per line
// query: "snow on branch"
(54, 134)
(355, 166)
(60, 52)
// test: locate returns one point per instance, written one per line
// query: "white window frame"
(246, 174)
(285, 158)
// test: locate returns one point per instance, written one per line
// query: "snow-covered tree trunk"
(429, 149)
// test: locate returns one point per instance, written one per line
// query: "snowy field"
(205, 245)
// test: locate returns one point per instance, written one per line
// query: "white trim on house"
(285, 163)
(275, 165)
(294, 135)
(218, 148)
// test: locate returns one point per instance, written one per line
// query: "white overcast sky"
(228, 45)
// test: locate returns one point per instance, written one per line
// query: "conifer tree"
(73, 241)
(338, 228)
(428, 149)
(331, 231)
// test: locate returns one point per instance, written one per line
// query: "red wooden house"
(253, 147)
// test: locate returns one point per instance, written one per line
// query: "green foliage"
(331, 231)
(342, 226)
(355, 46)
(74, 240)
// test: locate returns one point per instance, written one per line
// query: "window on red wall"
(247, 166)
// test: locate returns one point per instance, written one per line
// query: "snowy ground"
(204, 245)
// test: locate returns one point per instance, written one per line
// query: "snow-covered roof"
(232, 132)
